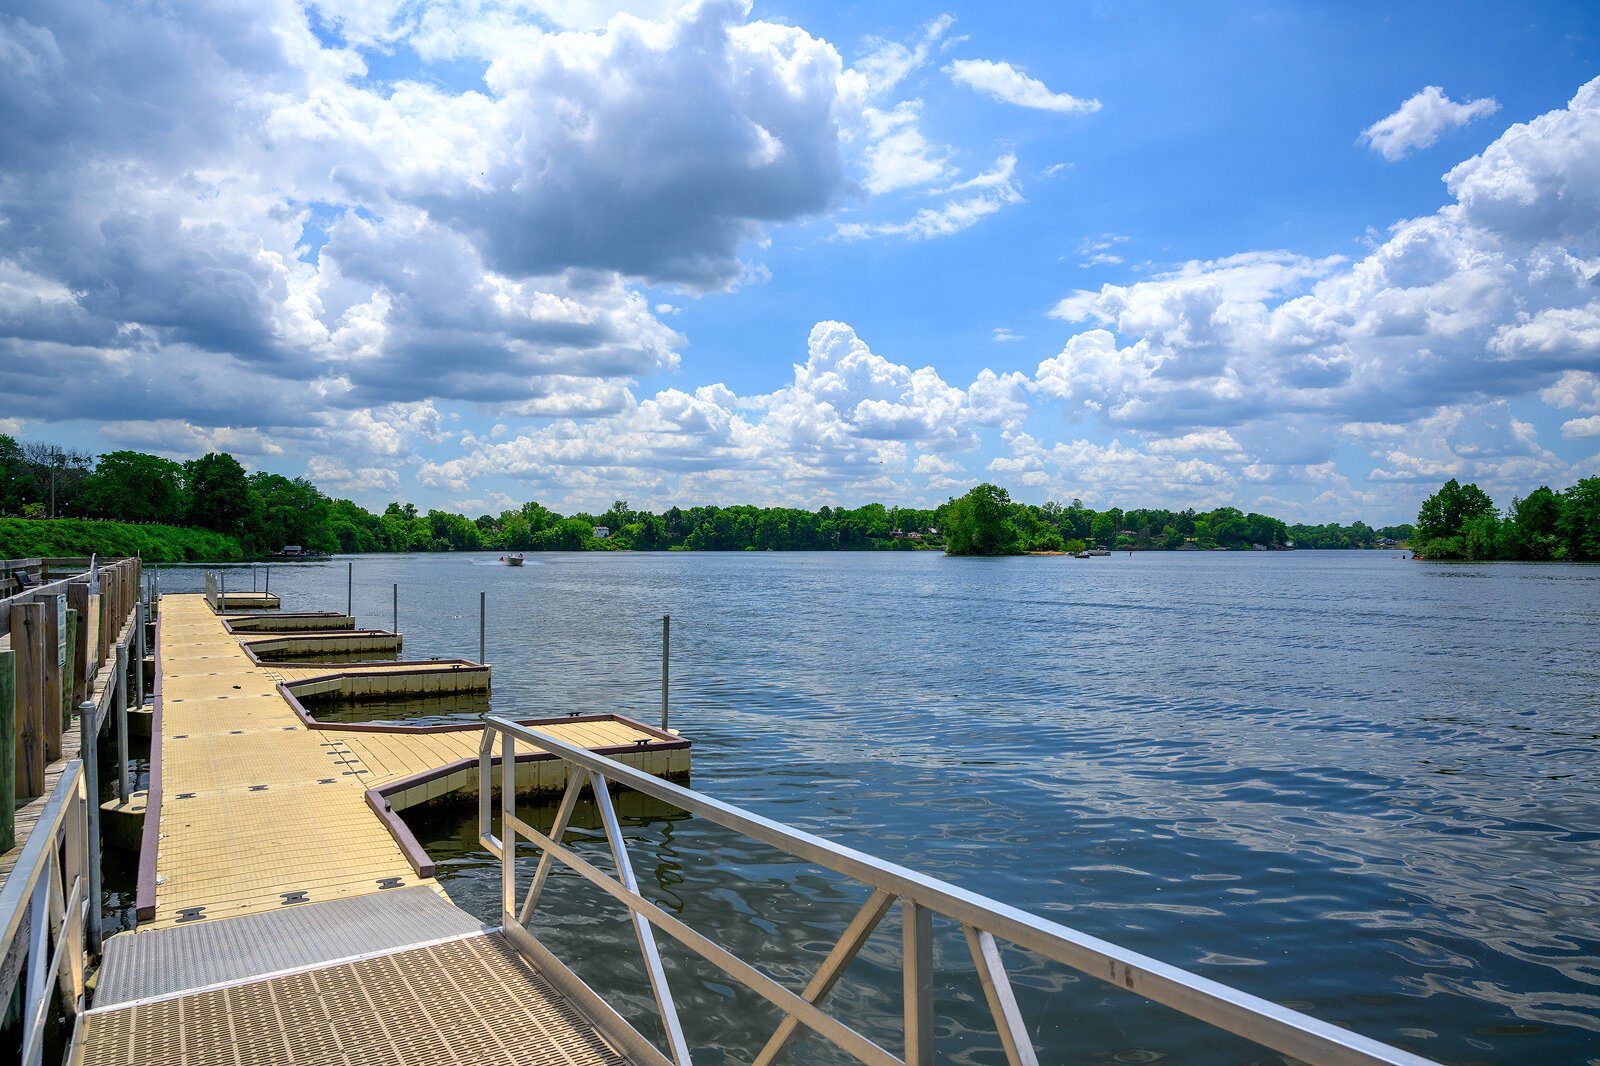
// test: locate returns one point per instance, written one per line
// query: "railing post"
(666, 640)
(8, 749)
(89, 752)
(138, 669)
(121, 705)
(508, 833)
(917, 980)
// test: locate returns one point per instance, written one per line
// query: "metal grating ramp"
(466, 1002)
(162, 962)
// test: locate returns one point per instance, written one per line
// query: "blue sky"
(1305, 259)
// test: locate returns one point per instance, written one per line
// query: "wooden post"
(70, 672)
(25, 642)
(50, 673)
(8, 750)
(78, 602)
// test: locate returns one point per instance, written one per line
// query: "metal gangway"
(985, 922)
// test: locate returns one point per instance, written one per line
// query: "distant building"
(601, 532)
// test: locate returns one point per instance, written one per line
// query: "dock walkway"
(286, 922)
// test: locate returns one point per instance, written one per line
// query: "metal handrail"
(983, 920)
(49, 881)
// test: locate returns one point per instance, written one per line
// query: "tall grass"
(29, 538)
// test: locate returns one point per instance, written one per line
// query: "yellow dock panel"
(260, 812)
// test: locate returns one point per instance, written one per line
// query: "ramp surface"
(186, 958)
(467, 1002)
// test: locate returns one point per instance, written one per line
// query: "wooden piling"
(51, 609)
(8, 750)
(25, 642)
(78, 601)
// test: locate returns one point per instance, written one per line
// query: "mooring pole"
(88, 751)
(483, 613)
(252, 579)
(122, 723)
(666, 640)
(269, 580)
(350, 590)
(396, 627)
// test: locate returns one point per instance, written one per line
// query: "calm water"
(1365, 787)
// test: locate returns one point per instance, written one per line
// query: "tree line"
(1462, 522)
(986, 521)
(265, 512)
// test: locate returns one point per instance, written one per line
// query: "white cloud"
(849, 421)
(328, 472)
(988, 193)
(1003, 335)
(1577, 389)
(1009, 85)
(899, 156)
(1581, 428)
(887, 63)
(1420, 120)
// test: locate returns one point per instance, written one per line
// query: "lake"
(1365, 787)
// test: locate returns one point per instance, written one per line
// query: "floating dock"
(286, 914)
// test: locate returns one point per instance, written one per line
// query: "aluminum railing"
(48, 892)
(986, 923)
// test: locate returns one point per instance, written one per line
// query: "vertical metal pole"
(508, 833)
(138, 684)
(268, 587)
(666, 639)
(89, 752)
(396, 626)
(483, 613)
(917, 975)
(252, 579)
(350, 590)
(222, 590)
(123, 790)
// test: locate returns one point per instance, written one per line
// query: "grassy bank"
(30, 538)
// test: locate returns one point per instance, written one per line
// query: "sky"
(1308, 259)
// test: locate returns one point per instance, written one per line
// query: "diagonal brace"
(832, 968)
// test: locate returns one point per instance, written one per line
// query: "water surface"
(1365, 787)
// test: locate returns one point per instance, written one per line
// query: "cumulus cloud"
(216, 211)
(1491, 296)
(1007, 84)
(850, 420)
(1420, 120)
(1581, 428)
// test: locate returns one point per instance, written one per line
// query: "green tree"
(14, 478)
(979, 523)
(1532, 529)
(1579, 525)
(135, 487)
(1445, 513)
(287, 511)
(219, 494)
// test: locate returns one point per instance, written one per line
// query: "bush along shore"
(29, 538)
